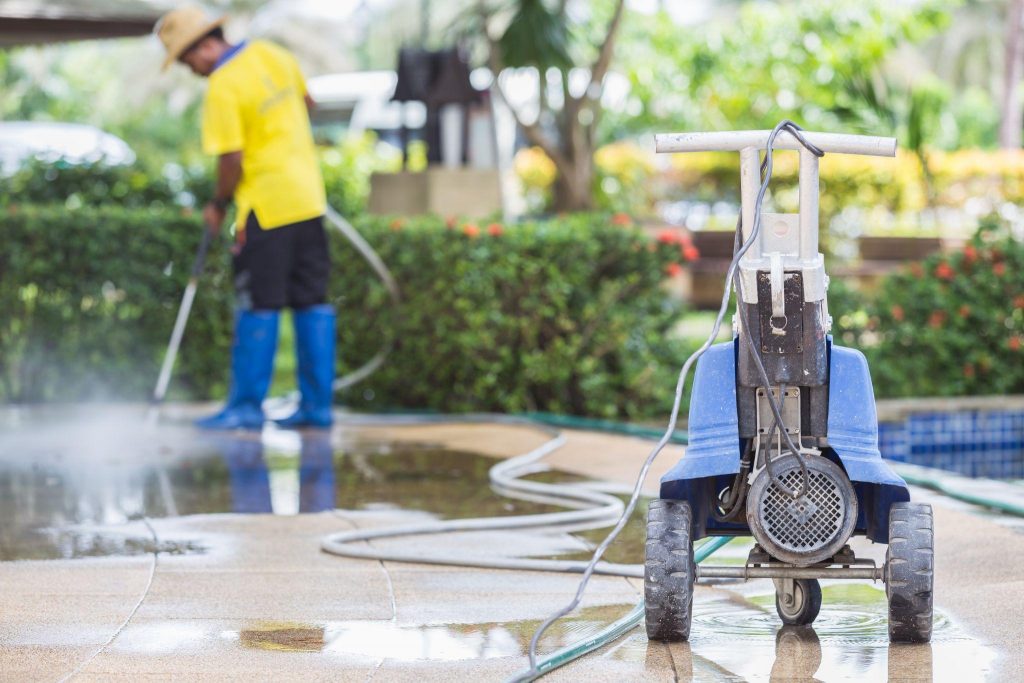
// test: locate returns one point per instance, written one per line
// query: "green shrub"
(950, 325)
(95, 184)
(566, 316)
(89, 298)
(563, 316)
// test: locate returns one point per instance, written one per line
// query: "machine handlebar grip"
(736, 140)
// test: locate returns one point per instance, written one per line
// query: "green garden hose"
(609, 633)
(945, 483)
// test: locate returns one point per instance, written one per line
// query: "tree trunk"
(574, 184)
(1011, 111)
(573, 191)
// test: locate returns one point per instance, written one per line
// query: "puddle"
(366, 639)
(60, 476)
(848, 641)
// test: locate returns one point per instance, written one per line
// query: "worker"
(256, 122)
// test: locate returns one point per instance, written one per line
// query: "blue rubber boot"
(252, 364)
(314, 349)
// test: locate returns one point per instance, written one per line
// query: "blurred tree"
(767, 61)
(1011, 111)
(555, 38)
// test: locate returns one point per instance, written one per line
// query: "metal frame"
(790, 572)
(760, 565)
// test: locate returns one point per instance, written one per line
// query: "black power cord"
(778, 422)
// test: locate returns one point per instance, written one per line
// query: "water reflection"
(797, 654)
(72, 492)
(255, 490)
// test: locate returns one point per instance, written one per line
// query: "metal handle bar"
(736, 140)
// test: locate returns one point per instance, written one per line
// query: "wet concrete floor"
(128, 552)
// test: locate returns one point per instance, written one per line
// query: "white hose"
(375, 261)
(592, 510)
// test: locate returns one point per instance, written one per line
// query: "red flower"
(690, 252)
(470, 230)
(397, 224)
(622, 219)
(673, 269)
(668, 236)
(944, 271)
(970, 253)
(937, 318)
(999, 269)
(965, 311)
(1019, 301)
(897, 313)
(495, 230)
(1015, 342)
(968, 370)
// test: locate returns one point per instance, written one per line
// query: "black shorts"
(284, 266)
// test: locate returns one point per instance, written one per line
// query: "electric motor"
(808, 529)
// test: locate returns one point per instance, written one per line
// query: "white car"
(73, 142)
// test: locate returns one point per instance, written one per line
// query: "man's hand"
(213, 217)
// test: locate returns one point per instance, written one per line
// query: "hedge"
(564, 316)
(88, 299)
(951, 325)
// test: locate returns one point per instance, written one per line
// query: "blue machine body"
(712, 457)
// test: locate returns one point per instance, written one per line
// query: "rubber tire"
(808, 612)
(669, 570)
(909, 572)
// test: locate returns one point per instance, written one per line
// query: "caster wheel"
(909, 563)
(669, 570)
(797, 601)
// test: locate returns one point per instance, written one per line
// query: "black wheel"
(800, 606)
(668, 570)
(909, 564)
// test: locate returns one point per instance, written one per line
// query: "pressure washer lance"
(358, 375)
(174, 344)
(766, 173)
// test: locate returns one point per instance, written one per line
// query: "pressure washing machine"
(804, 484)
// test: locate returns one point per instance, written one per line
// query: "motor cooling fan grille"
(809, 523)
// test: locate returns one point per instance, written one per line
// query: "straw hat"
(180, 28)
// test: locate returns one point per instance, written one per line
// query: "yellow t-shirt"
(254, 104)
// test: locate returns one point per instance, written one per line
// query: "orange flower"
(968, 370)
(622, 219)
(897, 313)
(1015, 342)
(470, 230)
(673, 269)
(1019, 301)
(667, 236)
(965, 311)
(397, 224)
(970, 253)
(937, 318)
(690, 252)
(495, 230)
(999, 269)
(944, 271)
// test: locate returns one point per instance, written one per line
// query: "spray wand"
(171, 355)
